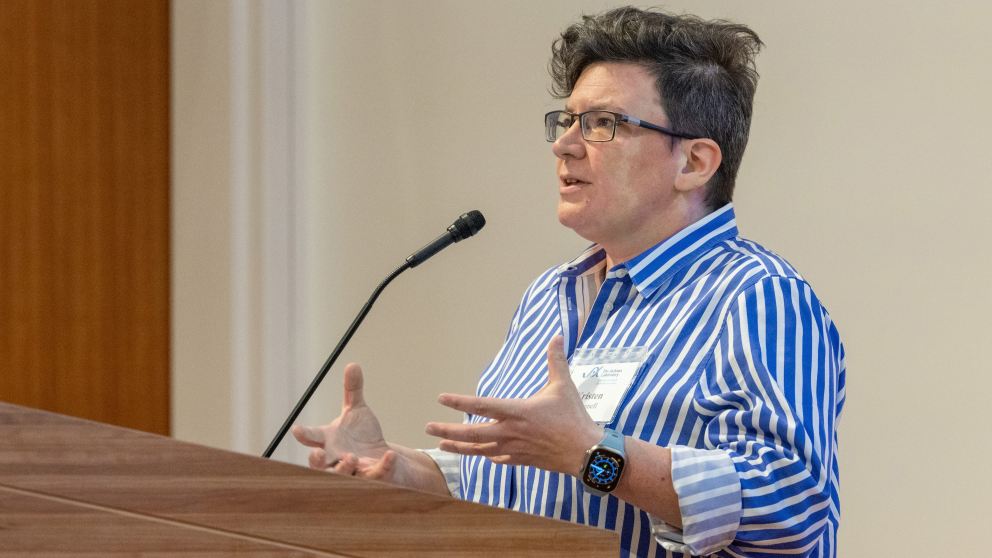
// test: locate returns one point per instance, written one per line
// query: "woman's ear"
(700, 159)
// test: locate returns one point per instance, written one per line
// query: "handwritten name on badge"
(603, 386)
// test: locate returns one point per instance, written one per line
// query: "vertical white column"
(278, 157)
(310, 345)
(266, 158)
(242, 270)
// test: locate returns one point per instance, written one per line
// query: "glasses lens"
(598, 126)
(556, 123)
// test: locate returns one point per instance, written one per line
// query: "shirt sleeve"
(450, 465)
(709, 492)
(767, 404)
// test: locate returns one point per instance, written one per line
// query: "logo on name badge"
(592, 373)
(602, 372)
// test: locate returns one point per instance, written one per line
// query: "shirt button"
(621, 273)
(608, 307)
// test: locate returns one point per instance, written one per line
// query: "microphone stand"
(330, 361)
(467, 225)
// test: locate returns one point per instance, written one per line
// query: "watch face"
(604, 470)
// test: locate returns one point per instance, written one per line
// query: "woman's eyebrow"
(604, 107)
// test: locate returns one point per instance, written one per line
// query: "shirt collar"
(589, 261)
(653, 267)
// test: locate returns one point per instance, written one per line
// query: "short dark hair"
(704, 69)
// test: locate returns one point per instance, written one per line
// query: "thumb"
(557, 361)
(353, 383)
(312, 437)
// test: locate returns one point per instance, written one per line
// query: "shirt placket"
(611, 297)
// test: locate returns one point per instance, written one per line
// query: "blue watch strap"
(613, 440)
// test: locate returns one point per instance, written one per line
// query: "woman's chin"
(575, 218)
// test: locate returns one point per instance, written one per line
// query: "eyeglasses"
(597, 125)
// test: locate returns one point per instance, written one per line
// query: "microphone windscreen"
(469, 224)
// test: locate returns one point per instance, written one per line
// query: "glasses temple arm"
(656, 128)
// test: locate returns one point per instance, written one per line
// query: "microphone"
(469, 224)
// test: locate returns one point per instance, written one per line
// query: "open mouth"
(569, 181)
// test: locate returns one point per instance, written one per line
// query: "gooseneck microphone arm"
(330, 361)
(467, 225)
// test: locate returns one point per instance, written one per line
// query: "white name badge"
(604, 376)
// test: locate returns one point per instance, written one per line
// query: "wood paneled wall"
(84, 208)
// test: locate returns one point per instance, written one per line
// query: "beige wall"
(201, 245)
(867, 168)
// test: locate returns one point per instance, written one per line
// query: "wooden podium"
(74, 487)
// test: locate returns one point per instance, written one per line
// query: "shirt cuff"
(709, 492)
(450, 465)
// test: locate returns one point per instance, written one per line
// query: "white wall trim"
(266, 159)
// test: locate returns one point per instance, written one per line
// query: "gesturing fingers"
(467, 448)
(384, 468)
(318, 459)
(490, 439)
(481, 433)
(489, 407)
(347, 465)
(312, 437)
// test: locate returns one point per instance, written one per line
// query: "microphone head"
(467, 225)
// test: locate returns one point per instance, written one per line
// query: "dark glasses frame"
(551, 125)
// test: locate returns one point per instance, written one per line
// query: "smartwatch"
(604, 464)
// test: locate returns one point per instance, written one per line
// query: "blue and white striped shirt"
(744, 382)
